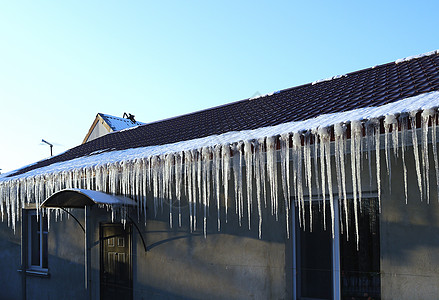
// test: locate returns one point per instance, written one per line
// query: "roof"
(110, 123)
(372, 87)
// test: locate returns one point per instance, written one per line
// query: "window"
(37, 257)
(360, 269)
(328, 267)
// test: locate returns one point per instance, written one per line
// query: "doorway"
(116, 261)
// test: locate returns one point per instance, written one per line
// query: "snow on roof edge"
(398, 61)
(406, 105)
(328, 79)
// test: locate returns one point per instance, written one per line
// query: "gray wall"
(409, 238)
(10, 279)
(66, 263)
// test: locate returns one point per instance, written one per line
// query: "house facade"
(323, 191)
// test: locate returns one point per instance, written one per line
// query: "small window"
(37, 241)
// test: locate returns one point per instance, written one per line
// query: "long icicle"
(376, 126)
(425, 118)
(325, 137)
(416, 151)
(272, 174)
(225, 153)
(248, 157)
(258, 179)
(284, 162)
(403, 120)
(321, 133)
(308, 172)
(217, 182)
(356, 135)
(340, 141)
(297, 150)
(390, 123)
(435, 155)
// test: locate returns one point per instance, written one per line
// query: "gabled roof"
(372, 87)
(109, 124)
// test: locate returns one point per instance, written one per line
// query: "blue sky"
(62, 62)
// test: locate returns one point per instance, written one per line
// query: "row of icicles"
(239, 170)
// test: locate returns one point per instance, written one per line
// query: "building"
(327, 190)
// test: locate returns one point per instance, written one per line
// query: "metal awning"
(79, 198)
(82, 198)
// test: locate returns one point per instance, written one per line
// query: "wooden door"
(116, 262)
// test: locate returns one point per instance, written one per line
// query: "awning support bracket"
(138, 230)
(70, 214)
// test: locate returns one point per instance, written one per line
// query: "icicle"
(155, 181)
(206, 154)
(426, 114)
(325, 139)
(138, 163)
(403, 119)
(145, 172)
(369, 126)
(2, 200)
(298, 162)
(262, 162)
(272, 174)
(194, 188)
(390, 123)
(376, 125)
(248, 157)
(178, 179)
(416, 151)
(316, 161)
(237, 171)
(217, 181)
(356, 136)
(167, 184)
(308, 172)
(340, 148)
(435, 155)
(320, 133)
(296, 188)
(199, 157)
(258, 179)
(225, 152)
(285, 162)
(188, 175)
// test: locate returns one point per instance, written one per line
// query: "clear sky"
(62, 62)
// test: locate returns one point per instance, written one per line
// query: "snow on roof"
(416, 103)
(117, 123)
(328, 79)
(398, 61)
(262, 96)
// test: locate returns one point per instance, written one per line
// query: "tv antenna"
(51, 146)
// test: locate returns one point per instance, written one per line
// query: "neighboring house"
(104, 124)
(327, 190)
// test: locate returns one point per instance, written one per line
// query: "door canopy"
(79, 198)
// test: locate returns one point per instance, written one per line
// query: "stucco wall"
(10, 262)
(66, 262)
(409, 238)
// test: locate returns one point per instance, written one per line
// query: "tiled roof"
(369, 87)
